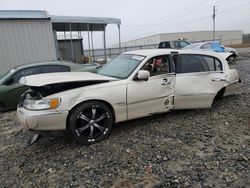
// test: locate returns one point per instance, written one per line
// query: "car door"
(155, 94)
(13, 89)
(198, 79)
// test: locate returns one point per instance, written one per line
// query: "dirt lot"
(192, 148)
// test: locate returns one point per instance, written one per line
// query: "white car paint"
(131, 98)
(52, 78)
(200, 46)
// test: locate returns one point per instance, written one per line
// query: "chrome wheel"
(91, 122)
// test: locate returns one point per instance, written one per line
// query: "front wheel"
(91, 122)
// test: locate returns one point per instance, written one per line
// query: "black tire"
(91, 122)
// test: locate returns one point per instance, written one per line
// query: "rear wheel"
(91, 122)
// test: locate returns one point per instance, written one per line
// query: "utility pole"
(214, 22)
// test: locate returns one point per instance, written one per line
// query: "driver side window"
(157, 65)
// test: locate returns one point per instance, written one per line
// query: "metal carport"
(81, 24)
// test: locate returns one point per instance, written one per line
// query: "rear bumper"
(42, 120)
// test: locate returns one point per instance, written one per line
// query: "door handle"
(219, 79)
(165, 81)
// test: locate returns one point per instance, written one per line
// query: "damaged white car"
(133, 85)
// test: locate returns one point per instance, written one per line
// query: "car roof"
(174, 41)
(152, 52)
(45, 63)
(156, 52)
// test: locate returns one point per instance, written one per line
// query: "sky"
(142, 18)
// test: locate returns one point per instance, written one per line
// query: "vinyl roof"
(61, 23)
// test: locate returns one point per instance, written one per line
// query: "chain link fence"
(98, 54)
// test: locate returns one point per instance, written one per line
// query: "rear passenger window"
(54, 68)
(213, 63)
(198, 63)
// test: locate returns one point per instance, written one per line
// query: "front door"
(154, 95)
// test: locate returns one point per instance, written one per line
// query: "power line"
(182, 15)
(244, 5)
(177, 23)
(180, 24)
(208, 23)
(181, 10)
(171, 19)
(203, 18)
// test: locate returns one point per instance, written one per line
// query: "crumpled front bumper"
(42, 120)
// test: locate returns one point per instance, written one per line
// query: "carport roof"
(23, 14)
(61, 23)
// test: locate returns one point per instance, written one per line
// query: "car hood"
(39, 80)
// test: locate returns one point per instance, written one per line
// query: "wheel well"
(220, 93)
(102, 101)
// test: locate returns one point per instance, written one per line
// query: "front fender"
(115, 96)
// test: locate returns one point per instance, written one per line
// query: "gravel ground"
(191, 148)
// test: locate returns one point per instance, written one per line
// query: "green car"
(11, 89)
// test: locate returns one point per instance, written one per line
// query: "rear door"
(198, 79)
(154, 95)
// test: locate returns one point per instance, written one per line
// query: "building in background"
(225, 37)
(25, 37)
(29, 36)
(64, 47)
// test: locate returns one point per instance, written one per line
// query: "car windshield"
(6, 75)
(122, 66)
(180, 44)
(184, 44)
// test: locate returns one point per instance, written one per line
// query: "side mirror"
(143, 75)
(9, 81)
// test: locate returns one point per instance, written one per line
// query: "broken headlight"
(42, 104)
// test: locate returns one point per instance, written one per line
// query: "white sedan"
(133, 85)
(228, 53)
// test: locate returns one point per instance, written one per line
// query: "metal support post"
(92, 45)
(71, 44)
(88, 41)
(119, 38)
(104, 42)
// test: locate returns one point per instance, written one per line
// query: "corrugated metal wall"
(25, 41)
(65, 53)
